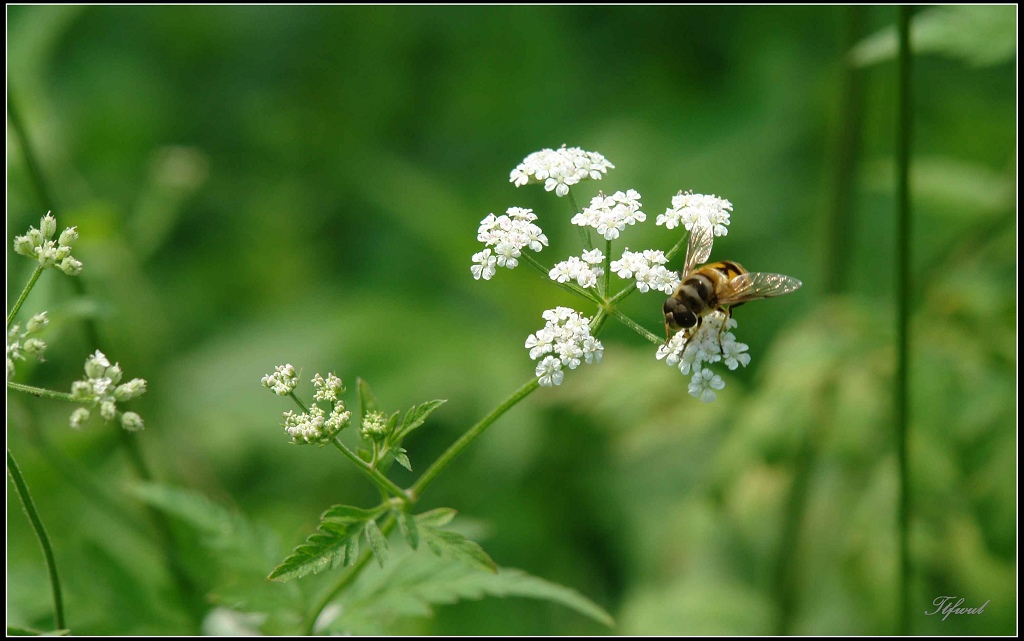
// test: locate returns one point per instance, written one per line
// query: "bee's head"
(677, 316)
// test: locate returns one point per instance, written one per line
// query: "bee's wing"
(754, 285)
(698, 248)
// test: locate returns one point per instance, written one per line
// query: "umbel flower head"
(609, 215)
(39, 244)
(100, 389)
(564, 341)
(505, 237)
(315, 425)
(559, 169)
(648, 268)
(21, 344)
(711, 343)
(689, 209)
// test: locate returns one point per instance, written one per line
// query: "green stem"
(24, 294)
(44, 541)
(298, 402)
(636, 327)
(903, 312)
(678, 247)
(570, 287)
(467, 439)
(607, 283)
(41, 392)
(348, 576)
(385, 484)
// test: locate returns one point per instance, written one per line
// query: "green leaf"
(348, 514)
(436, 518)
(378, 544)
(403, 459)
(456, 546)
(415, 417)
(415, 582)
(367, 401)
(978, 35)
(407, 524)
(331, 546)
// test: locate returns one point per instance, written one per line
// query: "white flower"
(38, 244)
(508, 235)
(550, 371)
(559, 169)
(100, 389)
(582, 270)
(374, 426)
(690, 208)
(702, 384)
(23, 343)
(609, 215)
(283, 381)
(78, 418)
(710, 343)
(565, 341)
(648, 267)
(485, 267)
(131, 422)
(329, 389)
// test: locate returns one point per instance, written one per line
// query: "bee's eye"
(684, 317)
(670, 306)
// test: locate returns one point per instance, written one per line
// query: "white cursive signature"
(946, 605)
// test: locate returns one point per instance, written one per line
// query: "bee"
(717, 286)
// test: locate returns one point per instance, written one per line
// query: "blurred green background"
(263, 185)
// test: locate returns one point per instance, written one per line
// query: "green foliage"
(334, 544)
(378, 544)
(976, 34)
(415, 582)
(15, 631)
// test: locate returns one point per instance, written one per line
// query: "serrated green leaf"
(352, 550)
(328, 547)
(378, 544)
(407, 524)
(367, 401)
(415, 582)
(403, 459)
(415, 417)
(347, 514)
(436, 518)
(456, 546)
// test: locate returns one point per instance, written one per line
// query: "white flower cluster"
(283, 381)
(508, 235)
(374, 426)
(100, 388)
(563, 341)
(648, 268)
(690, 208)
(21, 344)
(705, 347)
(560, 169)
(609, 215)
(315, 425)
(38, 244)
(585, 271)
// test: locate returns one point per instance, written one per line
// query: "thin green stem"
(348, 576)
(903, 266)
(678, 247)
(467, 439)
(44, 541)
(569, 287)
(607, 282)
(41, 392)
(298, 402)
(626, 291)
(637, 327)
(385, 484)
(24, 294)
